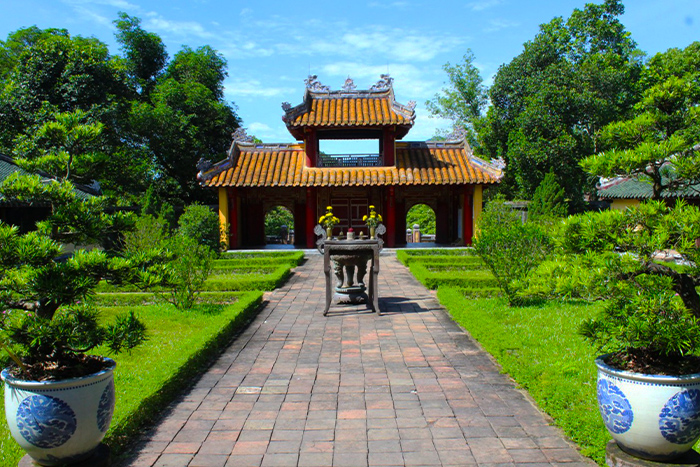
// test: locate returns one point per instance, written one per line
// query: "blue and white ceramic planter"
(60, 422)
(649, 416)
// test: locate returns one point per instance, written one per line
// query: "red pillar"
(310, 147)
(310, 217)
(233, 239)
(468, 216)
(388, 149)
(391, 218)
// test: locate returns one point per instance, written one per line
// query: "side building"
(254, 178)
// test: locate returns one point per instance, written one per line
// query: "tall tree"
(186, 119)
(463, 100)
(144, 52)
(549, 102)
(661, 143)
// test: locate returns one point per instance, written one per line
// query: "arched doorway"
(423, 216)
(279, 226)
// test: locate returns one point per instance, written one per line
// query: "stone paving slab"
(408, 388)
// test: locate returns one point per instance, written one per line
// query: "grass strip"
(477, 278)
(180, 346)
(230, 279)
(297, 255)
(402, 255)
(148, 298)
(538, 346)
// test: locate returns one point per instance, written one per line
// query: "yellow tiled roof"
(351, 111)
(416, 164)
(328, 110)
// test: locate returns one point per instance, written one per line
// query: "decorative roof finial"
(458, 134)
(203, 165)
(314, 85)
(240, 136)
(411, 105)
(384, 84)
(349, 85)
(286, 106)
(498, 163)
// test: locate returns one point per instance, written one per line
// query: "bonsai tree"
(659, 144)
(49, 324)
(650, 319)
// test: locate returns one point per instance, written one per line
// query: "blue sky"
(271, 46)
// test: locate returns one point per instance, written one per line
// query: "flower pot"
(60, 422)
(329, 232)
(372, 232)
(649, 416)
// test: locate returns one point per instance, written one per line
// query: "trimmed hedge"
(147, 389)
(180, 346)
(232, 279)
(297, 255)
(464, 278)
(403, 255)
(467, 262)
(236, 262)
(265, 281)
(148, 298)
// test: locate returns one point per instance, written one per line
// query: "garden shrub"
(200, 224)
(508, 247)
(188, 271)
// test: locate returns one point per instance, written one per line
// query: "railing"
(349, 160)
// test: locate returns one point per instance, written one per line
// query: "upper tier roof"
(282, 165)
(348, 108)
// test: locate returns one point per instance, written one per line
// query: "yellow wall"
(477, 202)
(223, 215)
(623, 204)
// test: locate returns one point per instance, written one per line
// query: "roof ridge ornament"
(411, 105)
(349, 85)
(286, 106)
(384, 84)
(458, 134)
(241, 136)
(313, 84)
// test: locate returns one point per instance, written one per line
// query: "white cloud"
(410, 81)
(426, 126)
(179, 28)
(254, 89)
(483, 4)
(258, 127)
(496, 25)
(121, 4)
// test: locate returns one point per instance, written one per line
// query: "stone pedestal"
(100, 458)
(616, 457)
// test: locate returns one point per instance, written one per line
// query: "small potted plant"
(649, 329)
(372, 221)
(328, 221)
(59, 398)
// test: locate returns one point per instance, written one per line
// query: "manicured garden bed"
(179, 346)
(180, 343)
(538, 346)
(472, 276)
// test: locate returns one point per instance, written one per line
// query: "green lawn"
(179, 346)
(537, 345)
(180, 343)
(539, 348)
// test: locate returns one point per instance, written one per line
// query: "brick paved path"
(354, 389)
